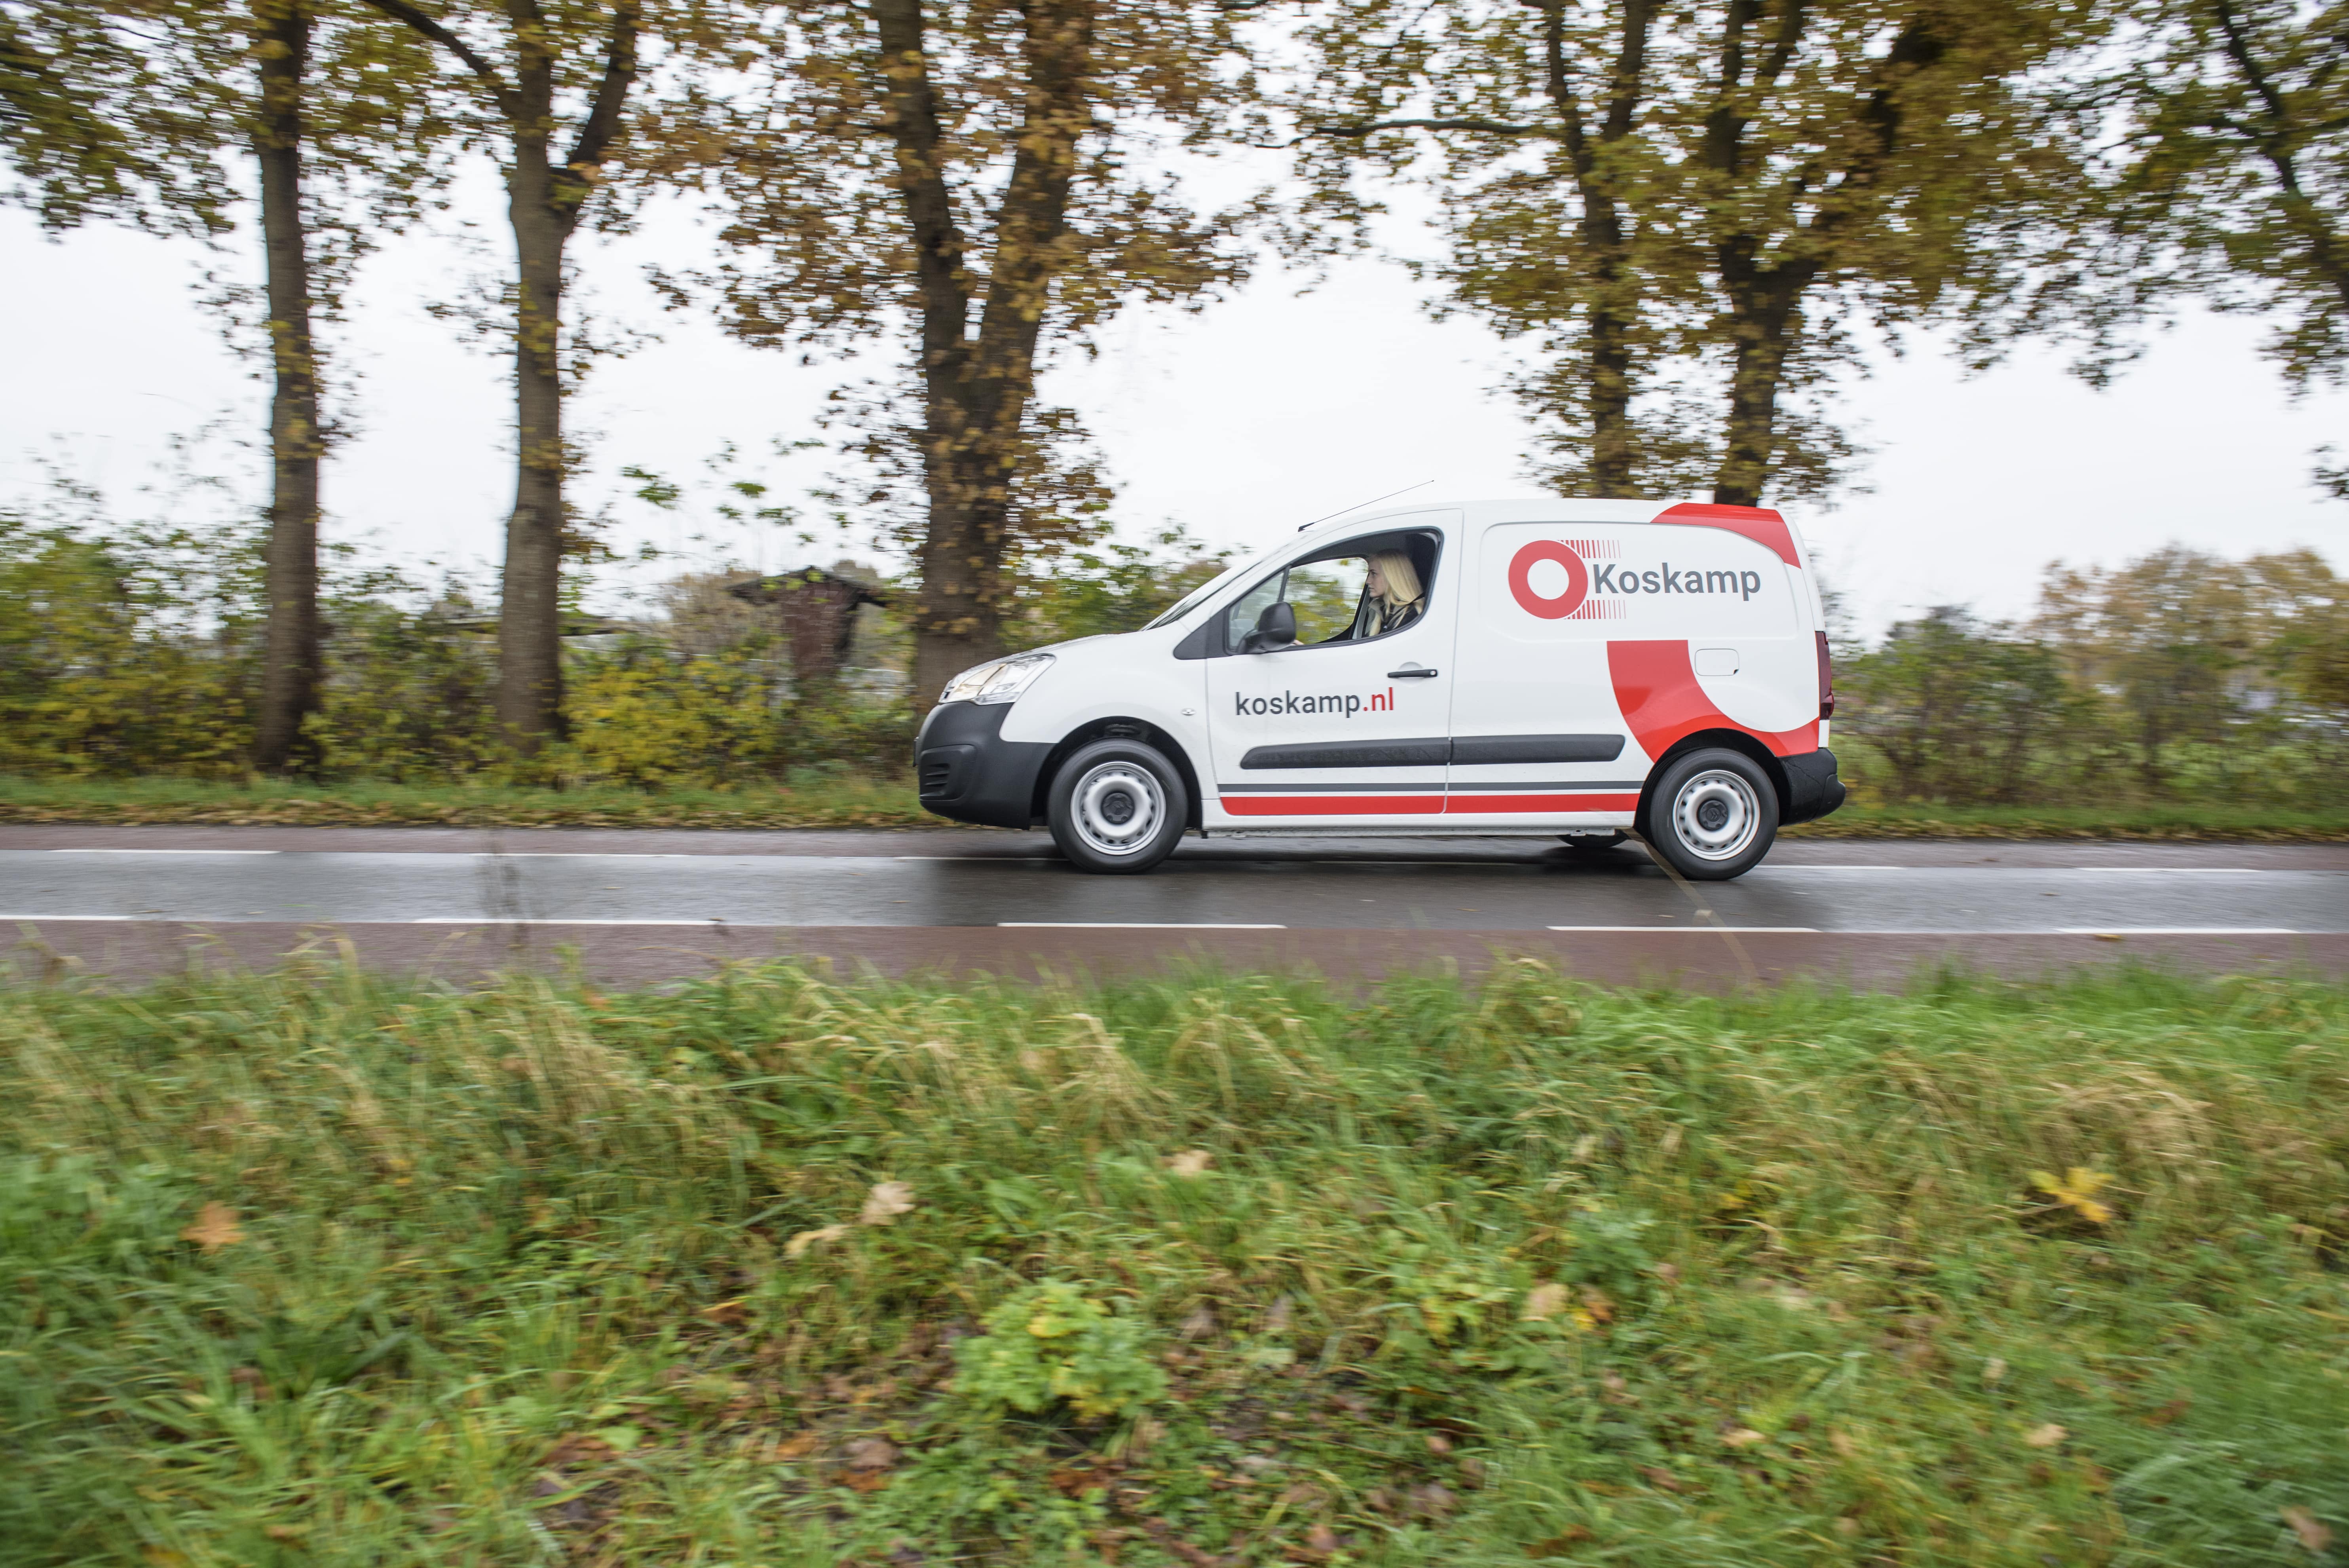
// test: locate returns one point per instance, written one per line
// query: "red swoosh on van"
(1656, 688)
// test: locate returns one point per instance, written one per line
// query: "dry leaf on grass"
(215, 1227)
(1545, 1302)
(1190, 1162)
(886, 1203)
(1595, 1301)
(1658, 1476)
(2313, 1533)
(1843, 1443)
(796, 1447)
(1562, 1544)
(1994, 1369)
(1744, 1438)
(806, 1239)
(2046, 1437)
(726, 1312)
(2078, 1192)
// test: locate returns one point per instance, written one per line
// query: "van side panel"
(1646, 633)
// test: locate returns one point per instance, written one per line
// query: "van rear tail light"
(1826, 680)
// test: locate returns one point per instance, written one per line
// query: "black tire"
(1097, 797)
(1713, 815)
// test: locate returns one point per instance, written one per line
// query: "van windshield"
(1201, 593)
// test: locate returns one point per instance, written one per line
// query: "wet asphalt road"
(906, 898)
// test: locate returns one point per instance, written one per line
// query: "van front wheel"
(1713, 816)
(1117, 806)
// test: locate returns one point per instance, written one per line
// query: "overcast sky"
(1267, 409)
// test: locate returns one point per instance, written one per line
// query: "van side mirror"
(1275, 628)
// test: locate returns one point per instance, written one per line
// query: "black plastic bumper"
(967, 771)
(1811, 788)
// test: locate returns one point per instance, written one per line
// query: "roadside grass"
(318, 1267)
(818, 800)
(839, 801)
(2173, 822)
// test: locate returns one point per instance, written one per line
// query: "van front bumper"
(967, 771)
(1811, 788)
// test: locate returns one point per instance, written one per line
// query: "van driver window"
(1326, 595)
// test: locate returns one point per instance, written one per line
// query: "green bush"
(1051, 1343)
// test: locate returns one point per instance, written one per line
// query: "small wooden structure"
(817, 610)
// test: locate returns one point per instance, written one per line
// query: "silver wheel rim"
(1117, 808)
(1715, 815)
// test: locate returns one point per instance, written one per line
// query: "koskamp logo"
(1625, 579)
(1586, 577)
(1288, 702)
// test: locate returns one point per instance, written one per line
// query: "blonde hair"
(1400, 576)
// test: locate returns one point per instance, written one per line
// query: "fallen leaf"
(1432, 1501)
(796, 1447)
(1545, 1302)
(1744, 1438)
(726, 1312)
(1198, 1326)
(2046, 1437)
(288, 1532)
(578, 1447)
(1561, 1544)
(1472, 1471)
(2076, 1192)
(886, 1203)
(1190, 1162)
(1438, 1444)
(1668, 1273)
(215, 1227)
(1599, 1307)
(1994, 1369)
(1843, 1443)
(1321, 1539)
(806, 1239)
(872, 1454)
(2313, 1531)
(1847, 1526)
(1658, 1476)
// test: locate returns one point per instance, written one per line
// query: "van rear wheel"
(1117, 806)
(1713, 815)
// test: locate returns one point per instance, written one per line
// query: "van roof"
(1763, 525)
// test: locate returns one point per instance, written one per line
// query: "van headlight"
(1000, 680)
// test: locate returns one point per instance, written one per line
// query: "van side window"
(1240, 619)
(1329, 591)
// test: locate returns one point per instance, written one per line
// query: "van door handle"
(1410, 674)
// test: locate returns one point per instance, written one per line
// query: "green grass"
(821, 802)
(1540, 1271)
(890, 803)
(2174, 821)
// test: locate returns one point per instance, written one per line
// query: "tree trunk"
(530, 608)
(1767, 316)
(976, 389)
(290, 664)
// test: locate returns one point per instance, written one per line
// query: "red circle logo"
(1577, 580)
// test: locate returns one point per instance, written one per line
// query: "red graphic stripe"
(1657, 690)
(1759, 524)
(1334, 805)
(1457, 805)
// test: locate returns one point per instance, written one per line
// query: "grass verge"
(891, 803)
(321, 1268)
(824, 803)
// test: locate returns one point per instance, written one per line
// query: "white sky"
(1266, 410)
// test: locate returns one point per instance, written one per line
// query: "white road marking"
(96, 852)
(1133, 925)
(526, 920)
(1696, 930)
(2178, 931)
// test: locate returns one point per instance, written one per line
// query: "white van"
(1571, 669)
